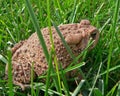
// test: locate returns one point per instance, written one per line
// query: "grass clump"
(99, 67)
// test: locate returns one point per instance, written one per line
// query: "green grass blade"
(101, 86)
(50, 91)
(105, 24)
(97, 76)
(49, 23)
(48, 73)
(58, 4)
(32, 78)
(11, 35)
(65, 84)
(70, 68)
(112, 30)
(58, 74)
(97, 92)
(118, 90)
(77, 90)
(63, 40)
(3, 59)
(73, 11)
(10, 78)
(110, 70)
(57, 83)
(37, 28)
(112, 91)
(74, 67)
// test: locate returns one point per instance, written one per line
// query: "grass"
(100, 67)
(10, 83)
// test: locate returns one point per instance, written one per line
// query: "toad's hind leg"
(16, 46)
(21, 73)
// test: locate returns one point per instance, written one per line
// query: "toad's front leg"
(73, 39)
(23, 87)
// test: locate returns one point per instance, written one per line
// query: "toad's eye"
(93, 35)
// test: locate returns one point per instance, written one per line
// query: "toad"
(26, 52)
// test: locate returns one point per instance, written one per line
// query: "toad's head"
(85, 33)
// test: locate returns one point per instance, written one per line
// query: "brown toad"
(29, 51)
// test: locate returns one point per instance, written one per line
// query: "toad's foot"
(23, 86)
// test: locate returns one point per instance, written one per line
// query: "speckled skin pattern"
(28, 51)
